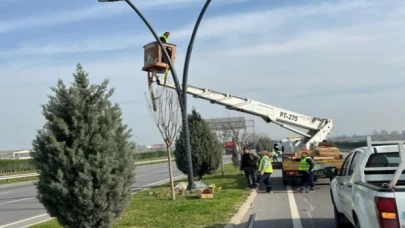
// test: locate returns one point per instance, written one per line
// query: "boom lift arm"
(317, 128)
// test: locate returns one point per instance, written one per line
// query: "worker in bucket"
(164, 38)
(265, 170)
(305, 168)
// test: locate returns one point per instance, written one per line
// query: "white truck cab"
(369, 191)
(290, 145)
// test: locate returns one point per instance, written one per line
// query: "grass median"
(148, 210)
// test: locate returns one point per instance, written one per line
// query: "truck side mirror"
(330, 171)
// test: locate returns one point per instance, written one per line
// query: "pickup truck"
(369, 190)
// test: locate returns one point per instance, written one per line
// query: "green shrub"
(85, 155)
(11, 165)
(206, 149)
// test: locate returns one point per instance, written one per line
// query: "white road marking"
(4, 192)
(311, 208)
(163, 171)
(24, 220)
(13, 201)
(295, 215)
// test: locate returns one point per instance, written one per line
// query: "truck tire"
(340, 219)
(285, 182)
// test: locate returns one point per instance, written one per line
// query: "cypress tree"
(205, 147)
(84, 155)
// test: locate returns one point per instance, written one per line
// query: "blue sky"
(342, 60)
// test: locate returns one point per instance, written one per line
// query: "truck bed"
(378, 186)
(293, 165)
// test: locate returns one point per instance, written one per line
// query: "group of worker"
(258, 169)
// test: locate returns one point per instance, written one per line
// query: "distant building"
(16, 154)
(153, 147)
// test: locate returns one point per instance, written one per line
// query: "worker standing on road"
(305, 168)
(265, 169)
(274, 155)
(248, 164)
(165, 39)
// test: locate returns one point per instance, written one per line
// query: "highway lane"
(291, 209)
(20, 208)
(288, 208)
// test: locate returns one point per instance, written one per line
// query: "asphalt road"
(288, 208)
(20, 208)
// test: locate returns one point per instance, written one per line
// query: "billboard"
(218, 124)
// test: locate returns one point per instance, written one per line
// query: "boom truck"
(314, 131)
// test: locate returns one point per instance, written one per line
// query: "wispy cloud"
(62, 17)
(97, 11)
(9, 2)
(113, 43)
(257, 25)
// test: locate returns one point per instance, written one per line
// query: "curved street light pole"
(181, 93)
(184, 93)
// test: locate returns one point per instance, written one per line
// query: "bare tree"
(264, 142)
(241, 138)
(247, 137)
(223, 135)
(235, 134)
(167, 119)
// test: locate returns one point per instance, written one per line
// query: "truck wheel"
(340, 219)
(285, 182)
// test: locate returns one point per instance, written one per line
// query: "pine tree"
(84, 155)
(206, 149)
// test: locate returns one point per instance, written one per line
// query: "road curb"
(238, 217)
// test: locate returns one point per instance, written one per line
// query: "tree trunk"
(222, 165)
(169, 157)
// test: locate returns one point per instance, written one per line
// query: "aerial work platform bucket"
(154, 60)
(155, 63)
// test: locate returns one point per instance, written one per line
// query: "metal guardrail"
(18, 176)
(6, 178)
(152, 161)
(251, 221)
